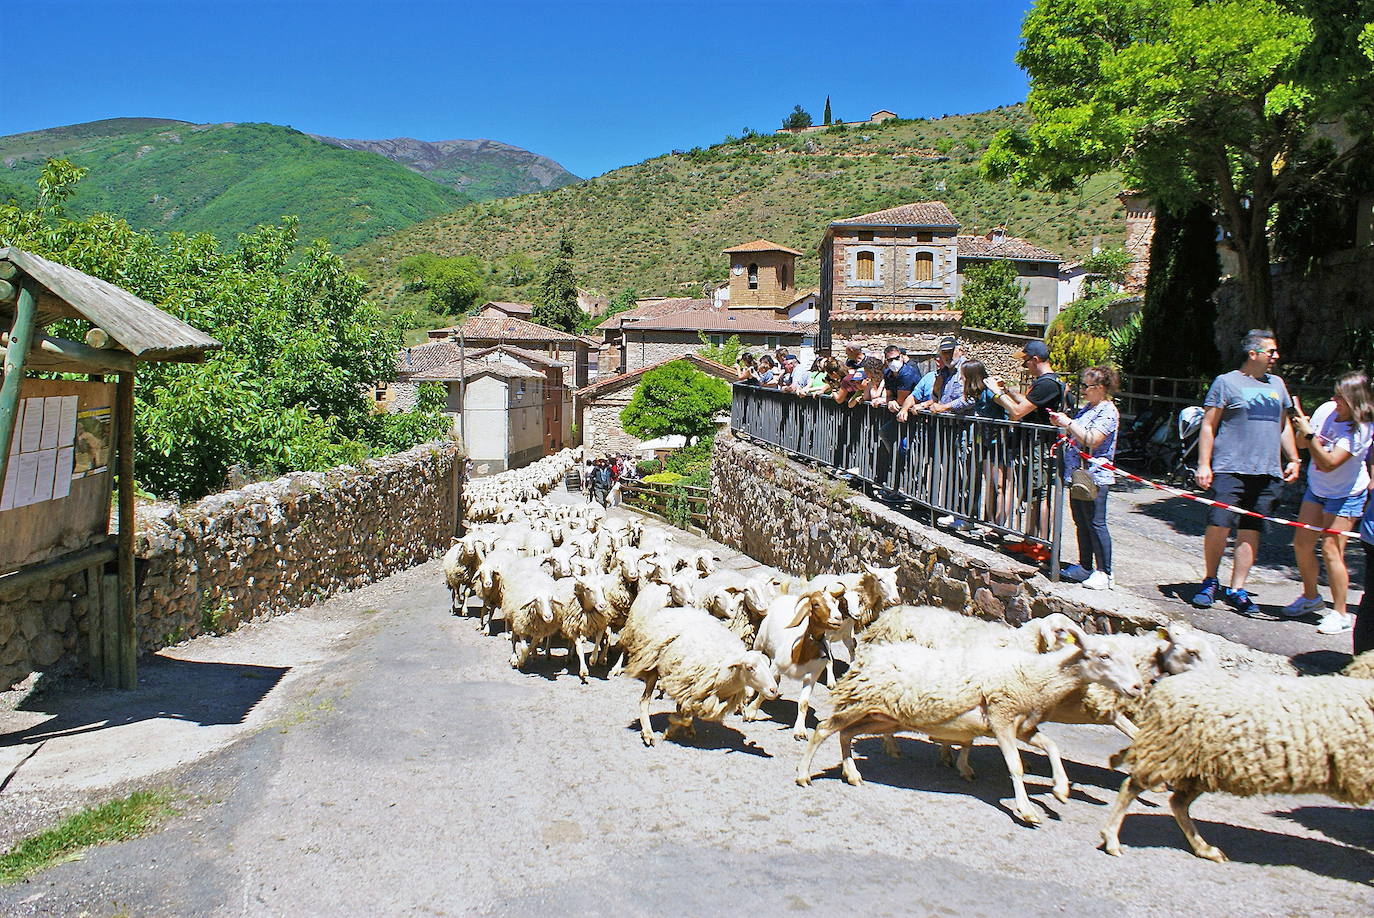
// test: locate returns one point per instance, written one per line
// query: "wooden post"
(109, 630)
(15, 354)
(128, 633)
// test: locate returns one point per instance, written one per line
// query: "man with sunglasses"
(1245, 432)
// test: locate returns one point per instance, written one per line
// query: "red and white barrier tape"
(1103, 463)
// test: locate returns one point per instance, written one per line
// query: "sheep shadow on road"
(1247, 845)
(1339, 823)
(708, 736)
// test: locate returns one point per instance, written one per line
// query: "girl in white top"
(1338, 437)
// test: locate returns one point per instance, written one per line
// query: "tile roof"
(1007, 247)
(496, 327)
(519, 353)
(704, 364)
(511, 309)
(424, 357)
(466, 369)
(922, 213)
(760, 245)
(720, 320)
(924, 315)
(653, 308)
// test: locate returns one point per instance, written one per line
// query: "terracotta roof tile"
(760, 245)
(922, 213)
(1007, 247)
(519, 310)
(925, 315)
(706, 365)
(655, 308)
(519, 353)
(496, 327)
(720, 320)
(466, 369)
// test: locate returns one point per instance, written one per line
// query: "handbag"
(1082, 486)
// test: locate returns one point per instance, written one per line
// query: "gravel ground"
(386, 760)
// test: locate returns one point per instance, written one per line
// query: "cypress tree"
(555, 302)
(827, 109)
(1178, 318)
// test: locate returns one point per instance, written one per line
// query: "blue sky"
(595, 84)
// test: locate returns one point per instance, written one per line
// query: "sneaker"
(1099, 580)
(1335, 622)
(1075, 573)
(1206, 594)
(947, 520)
(1241, 601)
(1301, 606)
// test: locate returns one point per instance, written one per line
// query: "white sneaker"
(1335, 622)
(1301, 606)
(1099, 580)
(947, 520)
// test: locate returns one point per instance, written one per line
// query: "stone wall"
(1314, 314)
(257, 551)
(802, 522)
(997, 350)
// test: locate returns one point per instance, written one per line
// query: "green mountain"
(481, 169)
(659, 226)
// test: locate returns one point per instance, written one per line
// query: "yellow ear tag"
(1162, 634)
(1070, 637)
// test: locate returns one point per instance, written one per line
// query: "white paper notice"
(47, 471)
(62, 478)
(33, 425)
(52, 421)
(11, 477)
(66, 434)
(27, 463)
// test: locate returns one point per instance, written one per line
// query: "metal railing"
(999, 475)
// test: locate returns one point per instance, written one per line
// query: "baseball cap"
(948, 343)
(1033, 348)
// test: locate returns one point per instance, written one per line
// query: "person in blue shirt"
(900, 378)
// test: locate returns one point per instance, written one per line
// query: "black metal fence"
(999, 475)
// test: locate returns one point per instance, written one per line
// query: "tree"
(302, 346)
(1177, 320)
(827, 110)
(675, 398)
(800, 118)
(992, 298)
(454, 284)
(1112, 264)
(555, 301)
(726, 352)
(1196, 101)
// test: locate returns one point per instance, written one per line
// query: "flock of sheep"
(718, 641)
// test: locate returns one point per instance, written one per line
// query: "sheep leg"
(890, 746)
(1179, 801)
(646, 731)
(1006, 741)
(1130, 790)
(1124, 724)
(519, 652)
(819, 735)
(965, 769)
(581, 649)
(804, 704)
(1061, 777)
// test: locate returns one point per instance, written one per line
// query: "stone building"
(492, 325)
(599, 405)
(648, 341)
(912, 259)
(1140, 234)
(498, 410)
(763, 275)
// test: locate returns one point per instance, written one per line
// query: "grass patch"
(115, 821)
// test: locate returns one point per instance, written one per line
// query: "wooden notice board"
(56, 495)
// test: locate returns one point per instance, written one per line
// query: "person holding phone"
(1093, 429)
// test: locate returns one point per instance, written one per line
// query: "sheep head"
(1101, 663)
(752, 670)
(544, 606)
(1050, 631)
(1183, 648)
(589, 591)
(881, 583)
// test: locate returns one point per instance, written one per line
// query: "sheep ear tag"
(1070, 637)
(1162, 633)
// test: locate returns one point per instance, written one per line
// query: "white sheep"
(956, 694)
(1362, 667)
(584, 618)
(704, 668)
(1247, 734)
(931, 626)
(527, 596)
(793, 634)
(651, 599)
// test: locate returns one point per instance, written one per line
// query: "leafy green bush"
(663, 478)
(648, 467)
(675, 398)
(1072, 352)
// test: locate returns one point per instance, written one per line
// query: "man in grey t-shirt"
(1244, 433)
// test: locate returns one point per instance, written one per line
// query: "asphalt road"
(386, 760)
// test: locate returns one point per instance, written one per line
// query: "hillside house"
(599, 405)
(492, 326)
(912, 259)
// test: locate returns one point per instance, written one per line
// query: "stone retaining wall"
(805, 523)
(261, 550)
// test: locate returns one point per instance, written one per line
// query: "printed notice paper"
(43, 450)
(52, 417)
(62, 479)
(66, 431)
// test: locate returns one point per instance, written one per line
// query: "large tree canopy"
(1222, 102)
(302, 346)
(991, 297)
(675, 398)
(555, 302)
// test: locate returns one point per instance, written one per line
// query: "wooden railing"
(682, 505)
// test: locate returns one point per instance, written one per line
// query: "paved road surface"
(377, 756)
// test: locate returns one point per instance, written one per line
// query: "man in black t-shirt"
(1046, 394)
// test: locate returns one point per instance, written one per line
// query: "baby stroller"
(1184, 465)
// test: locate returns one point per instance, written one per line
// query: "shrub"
(1072, 352)
(663, 478)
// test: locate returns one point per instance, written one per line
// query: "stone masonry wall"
(257, 551)
(802, 522)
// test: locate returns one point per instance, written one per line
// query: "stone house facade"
(599, 405)
(763, 275)
(650, 341)
(492, 326)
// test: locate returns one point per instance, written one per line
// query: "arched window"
(923, 267)
(863, 266)
(782, 276)
(753, 276)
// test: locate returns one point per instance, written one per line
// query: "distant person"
(602, 480)
(900, 377)
(1245, 431)
(947, 387)
(746, 370)
(1364, 617)
(768, 374)
(1338, 437)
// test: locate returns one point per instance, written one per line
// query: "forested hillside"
(659, 226)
